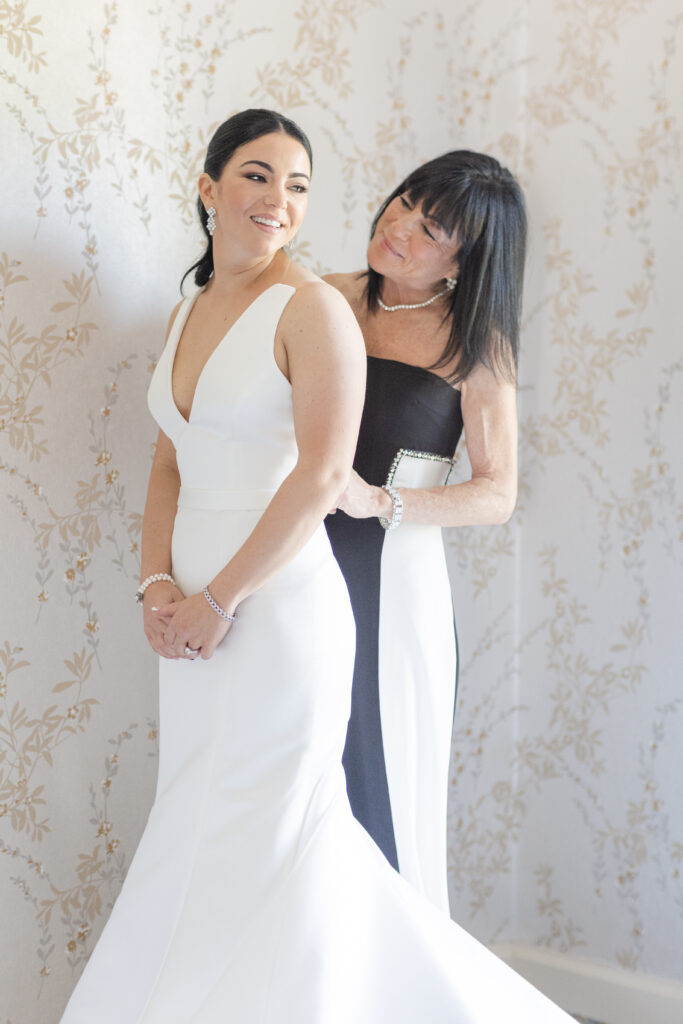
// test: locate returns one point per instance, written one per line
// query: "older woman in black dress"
(439, 309)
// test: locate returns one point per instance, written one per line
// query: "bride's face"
(261, 195)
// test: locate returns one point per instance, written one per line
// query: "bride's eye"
(254, 176)
(428, 232)
(405, 202)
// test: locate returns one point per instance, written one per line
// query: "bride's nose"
(276, 196)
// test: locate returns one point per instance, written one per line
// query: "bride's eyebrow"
(267, 167)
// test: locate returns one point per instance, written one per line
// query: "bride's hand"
(192, 623)
(362, 500)
(161, 593)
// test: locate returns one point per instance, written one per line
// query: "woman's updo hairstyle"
(228, 137)
(473, 194)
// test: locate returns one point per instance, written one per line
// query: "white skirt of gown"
(254, 895)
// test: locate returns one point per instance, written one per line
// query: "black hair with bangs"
(473, 194)
(239, 129)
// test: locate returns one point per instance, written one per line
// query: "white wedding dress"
(255, 897)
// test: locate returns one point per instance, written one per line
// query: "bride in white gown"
(255, 897)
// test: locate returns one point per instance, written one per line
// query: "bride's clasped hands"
(191, 628)
(166, 594)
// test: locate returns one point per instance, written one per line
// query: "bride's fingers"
(207, 650)
(187, 651)
(165, 611)
(155, 640)
(162, 648)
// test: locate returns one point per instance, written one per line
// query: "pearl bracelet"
(397, 513)
(217, 608)
(157, 577)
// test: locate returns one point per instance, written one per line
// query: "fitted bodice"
(407, 409)
(240, 431)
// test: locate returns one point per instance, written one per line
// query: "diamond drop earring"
(451, 283)
(211, 220)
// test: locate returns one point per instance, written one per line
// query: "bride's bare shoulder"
(314, 296)
(318, 311)
(297, 276)
(350, 285)
(171, 319)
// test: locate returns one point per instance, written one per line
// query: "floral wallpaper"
(565, 827)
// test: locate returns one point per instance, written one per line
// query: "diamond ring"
(190, 650)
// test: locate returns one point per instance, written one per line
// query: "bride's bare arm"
(157, 530)
(324, 358)
(160, 509)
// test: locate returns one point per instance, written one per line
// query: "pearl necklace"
(420, 305)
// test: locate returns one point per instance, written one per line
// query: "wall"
(565, 827)
(566, 822)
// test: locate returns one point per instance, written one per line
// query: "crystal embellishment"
(450, 462)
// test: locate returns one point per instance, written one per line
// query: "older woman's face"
(412, 249)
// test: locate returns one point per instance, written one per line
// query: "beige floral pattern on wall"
(569, 716)
(584, 658)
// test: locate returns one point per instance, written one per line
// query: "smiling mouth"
(268, 222)
(389, 246)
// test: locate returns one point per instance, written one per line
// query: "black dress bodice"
(405, 407)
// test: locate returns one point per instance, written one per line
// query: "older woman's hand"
(362, 500)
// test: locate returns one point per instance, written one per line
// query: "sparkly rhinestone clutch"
(411, 468)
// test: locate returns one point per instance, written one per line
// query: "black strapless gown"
(398, 743)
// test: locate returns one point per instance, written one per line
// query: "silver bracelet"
(157, 577)
(397, 513)
(217, 608)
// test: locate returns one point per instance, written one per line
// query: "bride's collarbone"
(216, 317)
(207, 325)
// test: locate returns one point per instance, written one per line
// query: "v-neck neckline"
(187, 420)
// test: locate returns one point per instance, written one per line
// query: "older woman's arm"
(490, 424)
